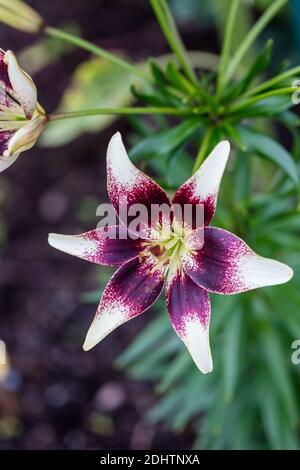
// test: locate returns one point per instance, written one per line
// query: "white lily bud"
(26, 137)
(19, 15)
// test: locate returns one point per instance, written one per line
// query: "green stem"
(168, 26)
(227, 43)
(244, 104)
(94, 49)
(120, 111)
(258, 27)
(203, 149)
(274, 81)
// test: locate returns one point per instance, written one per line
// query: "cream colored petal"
(26, 137)
(8, 161)
(22, 84)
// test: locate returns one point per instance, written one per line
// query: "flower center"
(11, 117)
(169, 247)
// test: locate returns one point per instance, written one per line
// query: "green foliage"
(96, 82)
(250, 400)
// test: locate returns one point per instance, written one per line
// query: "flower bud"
(19, 15)
(26, 137)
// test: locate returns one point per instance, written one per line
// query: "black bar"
(134, 459)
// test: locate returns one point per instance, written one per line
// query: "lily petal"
(26, 137)
(132, 290)
(126, 184)
(5, 161)
(189, 311)
(5, 85)
(111, 246)
(226, 265)
(203, 186)
(8, 161)
(22, 84)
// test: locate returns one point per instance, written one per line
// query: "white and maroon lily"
(22, 119)
(224, 264)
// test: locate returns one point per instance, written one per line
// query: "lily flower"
(223, 264)
(22, 119)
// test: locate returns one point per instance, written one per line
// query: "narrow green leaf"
(231, 353)
(270, 149)
(260, 64)
(166, 141)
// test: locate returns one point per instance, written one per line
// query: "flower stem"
(94, 49)
(258, 27)
(227, 43)
(168, 26)
(120, 111)
(203, 149)
(254, 99)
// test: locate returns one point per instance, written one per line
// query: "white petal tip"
(204, 362)
(226, 145)
(197, 342)
(206, 369)
(86, 347)
(116, 149)
(116, 139)
(260, 272)
(75, 245)
(287, 273)
(91, 339)
(88, 343)
(223, 149)
(57, 241)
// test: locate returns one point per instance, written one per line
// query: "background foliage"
(251, 399)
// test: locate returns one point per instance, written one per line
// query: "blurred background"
(52, 394)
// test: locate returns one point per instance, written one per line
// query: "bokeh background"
(55, 396)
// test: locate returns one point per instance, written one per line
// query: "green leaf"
(95, 83)
(180, 167)
(178, 80)
(157, 73)
(260, 64)
(231, 353)
(270, 411)
(269, 107)
(267, 147)
(277, 365)
(179, 367)
(164, 142)
(153, 99)
(232, 133)
(148, 339)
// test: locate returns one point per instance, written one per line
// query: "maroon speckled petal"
(226, 265)
(5, 84)
(203, 186)
(189, 311)
(132, 290)
(127, 185)
(109, 246)
(4, 139)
